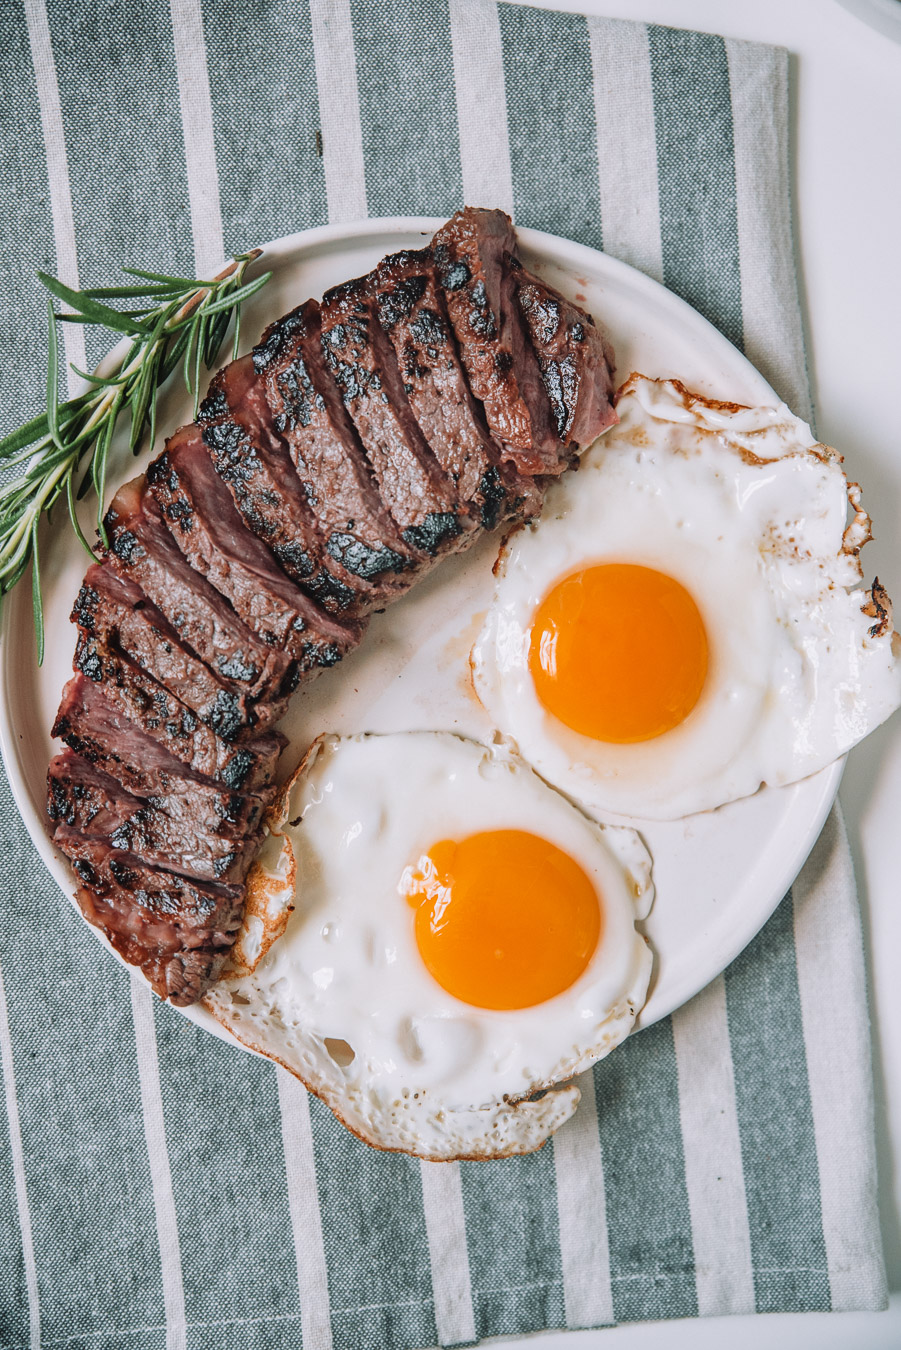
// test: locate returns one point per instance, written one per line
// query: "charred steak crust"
(160, 715)
(100, 732)
(471, 258)
(413, 313)
(206, 526)
(252, 460)
(114, 610)
(328, 457)
(142, 548)
(421, 499)
(176, 930)
(422, 403)
(87, 799)
(575, 360)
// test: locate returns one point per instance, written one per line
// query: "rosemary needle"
(176, 321)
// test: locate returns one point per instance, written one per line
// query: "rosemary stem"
(108, 396)
(37, 506)
(21, 536)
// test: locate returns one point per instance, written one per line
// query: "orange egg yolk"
(504, 919)
(618, 652)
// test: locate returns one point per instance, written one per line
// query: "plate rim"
(557, 249)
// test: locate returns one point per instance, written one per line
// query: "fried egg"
(462, 939)
(685, 622)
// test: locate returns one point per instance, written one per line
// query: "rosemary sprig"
(177, 321)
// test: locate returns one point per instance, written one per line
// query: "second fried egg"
(684, 623)
(462, 938)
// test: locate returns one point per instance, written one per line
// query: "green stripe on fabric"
(408, 110)
(126, 1338)
(26, 244)
(551, 122)
(270, 167)
(513, 1240)
(648, 1219)
(376, 1247)
(696, 174)
(81, 1121)
(26, 233)
(223, 1136)
(119, 97)
(775, 1122)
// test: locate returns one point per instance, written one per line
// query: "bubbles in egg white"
(743, 508)
(343, 998)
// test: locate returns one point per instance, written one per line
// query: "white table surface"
(846, 122)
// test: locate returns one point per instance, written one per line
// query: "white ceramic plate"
(719, 875)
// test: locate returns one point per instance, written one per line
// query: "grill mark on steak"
(102, 734)
(206, 526)
(161, 716)
(177, 931)
(328, 457)
(471, 253)
(142, 549)
(412, 311)
(253, 462)
(114, 610)
(575, 360)
(87, 800)
(419, 496)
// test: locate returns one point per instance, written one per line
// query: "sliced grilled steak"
(360, 442)
(413, 313)
(205, 523)
(161, 716)
(471, 258)
(575, 359)
(102, 734)
(174, 971)
(181, 976)
(88, 800)
(329, 458)
(114, 610)
(421, 499)
(176, 930)
(252, 459)
(142, 548)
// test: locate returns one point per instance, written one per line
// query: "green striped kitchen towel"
(160, 1188)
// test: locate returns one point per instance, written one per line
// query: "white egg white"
(343, 998)
(751, 515)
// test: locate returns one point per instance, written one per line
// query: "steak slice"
(177, 931)
(86, 799)
(161, 716)
(413, 313)
(183, 977)
(206, 526)
(142, 548)
(252, 460)
(472, 253)
(421, 499)
(575, 359)
(103, 735)
(117, 612)
(329, 459)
